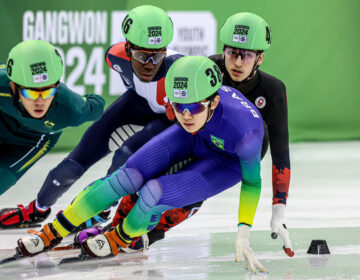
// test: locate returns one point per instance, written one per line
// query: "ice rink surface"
(323, 203)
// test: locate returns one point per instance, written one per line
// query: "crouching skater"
(217, 126)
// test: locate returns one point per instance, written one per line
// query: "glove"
(243, 250)
(278, 227)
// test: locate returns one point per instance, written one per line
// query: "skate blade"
(20, 226)
(15, 257)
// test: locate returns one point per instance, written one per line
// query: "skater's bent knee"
(151, 193)
(67, 172)
(127, 181)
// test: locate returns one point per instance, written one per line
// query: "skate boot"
(23, 217)
(38, 241)
(139, 244)
(105, 244)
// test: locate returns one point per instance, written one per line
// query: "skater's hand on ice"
(244, 251)
(278, 227)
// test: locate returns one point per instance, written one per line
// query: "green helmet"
(246, 31)
(148, 27)
(34, 64)
(191, 79)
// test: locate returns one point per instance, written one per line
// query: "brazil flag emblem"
(218, 142)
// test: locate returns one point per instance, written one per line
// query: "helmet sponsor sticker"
(239, 39)
(180, 87)
(260, 102)
(154, 34)
(38, 70)
(154, 41)
(240, 33)
(40, 78)
(180, 93)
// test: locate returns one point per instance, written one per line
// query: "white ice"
(323, 203)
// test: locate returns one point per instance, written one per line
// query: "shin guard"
(146, 213)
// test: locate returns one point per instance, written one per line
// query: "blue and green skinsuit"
(24, 140)
(226, 151)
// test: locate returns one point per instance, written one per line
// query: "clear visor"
(247, 56)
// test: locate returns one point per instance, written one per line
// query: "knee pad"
(126, 181)
(146, 213)
(120, 157)
(8, 179)
(66, 173)
(150, 194)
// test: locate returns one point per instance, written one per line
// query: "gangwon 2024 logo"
(240, 33)
(180, 87)
(38, 70)
(154, 34)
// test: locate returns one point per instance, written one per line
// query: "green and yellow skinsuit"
(24, 140)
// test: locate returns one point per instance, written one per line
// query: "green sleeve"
(249, 152)
(90, 108)
(250, 191)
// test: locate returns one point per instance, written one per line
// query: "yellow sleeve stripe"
(5, 94)
(36, 157)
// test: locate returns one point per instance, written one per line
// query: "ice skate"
(38, 241)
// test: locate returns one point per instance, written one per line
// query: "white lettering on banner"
(93, 69)
(116, 85)
(94, 74)
(51, 22)
(28, 29)
(39, 26)
(90, 28)
(79, 55)
(77, 35)
(62, 29)
(61, 52)
(77, 21)
(66, 27)
(191, 34)
(195, 33)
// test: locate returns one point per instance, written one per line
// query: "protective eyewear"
(34, 94)
(192, 108)
(145, 56)
(247, 56)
